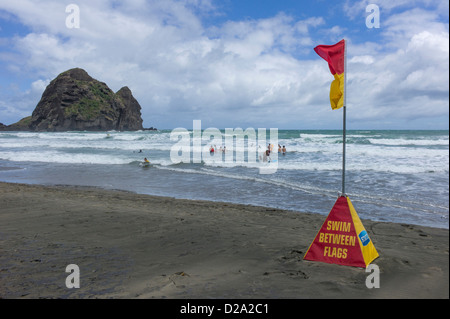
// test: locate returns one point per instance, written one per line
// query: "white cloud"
(365, 59)
(400, 28)
(39, 86)
(409, 83)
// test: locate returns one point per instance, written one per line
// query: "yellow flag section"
(335, 56)
(337, 91)
(342, 238)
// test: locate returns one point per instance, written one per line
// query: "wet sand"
(128, 245)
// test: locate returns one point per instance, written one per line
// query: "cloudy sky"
(235, 63)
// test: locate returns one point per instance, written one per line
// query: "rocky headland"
(74, 101)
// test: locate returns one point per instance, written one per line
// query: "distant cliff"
(74, 101)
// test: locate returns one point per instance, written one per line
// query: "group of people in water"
(214, 149)
(266, 155)
(264, 158)
(280, 149)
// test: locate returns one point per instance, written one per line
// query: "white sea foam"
(306, 151)
(410, 142)
(60, 157)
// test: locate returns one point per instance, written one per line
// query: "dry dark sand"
(138, 246)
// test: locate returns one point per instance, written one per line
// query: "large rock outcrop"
(74, 101)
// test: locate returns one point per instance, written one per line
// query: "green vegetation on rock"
(85, 109)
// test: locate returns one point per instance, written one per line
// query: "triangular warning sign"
(342, 238)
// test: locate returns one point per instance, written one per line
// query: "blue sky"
(247, 63)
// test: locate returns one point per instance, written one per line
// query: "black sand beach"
(138, 246)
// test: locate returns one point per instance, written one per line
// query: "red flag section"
(335, 56)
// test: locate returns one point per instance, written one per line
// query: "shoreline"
(129, 245)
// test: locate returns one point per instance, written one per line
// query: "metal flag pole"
(344, 119)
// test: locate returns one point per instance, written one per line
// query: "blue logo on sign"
(364, 237)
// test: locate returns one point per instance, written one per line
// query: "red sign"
(337, 241)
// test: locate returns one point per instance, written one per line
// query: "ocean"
(394, 176)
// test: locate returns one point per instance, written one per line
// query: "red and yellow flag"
(335, 56)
